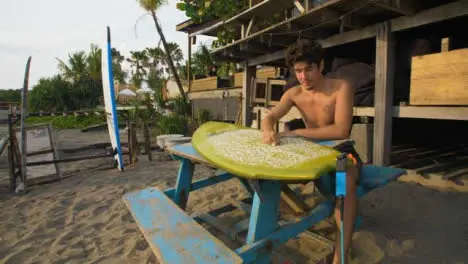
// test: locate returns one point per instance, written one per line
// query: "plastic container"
(170, 142)
(160, 140)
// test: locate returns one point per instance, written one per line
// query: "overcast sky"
(50, 29)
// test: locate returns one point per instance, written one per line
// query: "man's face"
(307, 74)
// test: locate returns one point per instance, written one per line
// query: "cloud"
(54, 28)
(17, 49)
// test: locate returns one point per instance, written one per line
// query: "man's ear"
(322, 65)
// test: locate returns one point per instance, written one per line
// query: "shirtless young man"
(326, 106)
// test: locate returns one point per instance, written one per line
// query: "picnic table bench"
(176, 237)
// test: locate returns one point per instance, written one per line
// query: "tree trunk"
(168, 55)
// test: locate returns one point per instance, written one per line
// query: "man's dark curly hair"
(304, 50)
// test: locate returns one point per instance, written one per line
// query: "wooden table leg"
(184, 182)
(264, 215)
(293, 200)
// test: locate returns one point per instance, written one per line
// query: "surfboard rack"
(176, 237)
(47, 159)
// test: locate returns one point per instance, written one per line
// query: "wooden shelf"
(429, 16)
(427, 112)
(257, 11)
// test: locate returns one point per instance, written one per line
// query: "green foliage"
(171, 124)
(151, 5)
(68, 122)
(10, 95)
(225, 35)
(226, 68)
(202, 11)
(57, 94)
(202, 60)
(117, 59)
(157, 85)
(203, 115)
(180, 106)
(49, 94)
(142, 116)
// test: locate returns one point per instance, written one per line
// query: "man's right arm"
(281, 109)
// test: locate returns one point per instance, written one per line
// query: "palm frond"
(151, 5)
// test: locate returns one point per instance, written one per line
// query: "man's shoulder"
(338, 85)
(294, 89)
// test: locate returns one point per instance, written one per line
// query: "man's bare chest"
(317, 110)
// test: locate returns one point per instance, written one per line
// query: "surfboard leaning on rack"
(23, 137)
(109, 100)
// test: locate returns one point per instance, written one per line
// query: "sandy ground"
(82, 219)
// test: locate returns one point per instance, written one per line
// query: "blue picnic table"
(177, 237)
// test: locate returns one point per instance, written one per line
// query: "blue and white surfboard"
(109, 100)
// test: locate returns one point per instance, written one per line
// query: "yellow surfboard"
(240, 150)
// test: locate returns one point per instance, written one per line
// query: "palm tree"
(76, 70)
(175, 53)
(202, 60)
(139, 60)
(117, 60)
(156, 59)
(93, 60)
(151, 6)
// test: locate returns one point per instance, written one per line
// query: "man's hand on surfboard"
(270, 137)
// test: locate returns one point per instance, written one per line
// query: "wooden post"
(249, 76)
(259, 119)
(11, 168)
(384, 75)
(11, 154)
(189, 63)
(134, 143)
(129, 139)
(445, 45)
(146, 133)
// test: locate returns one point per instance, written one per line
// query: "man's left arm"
(343, 119)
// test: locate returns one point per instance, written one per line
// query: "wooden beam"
(384, 75)
(278, 40)
(406, 8)
(423, 112)
(250, 73)
(246, 14)
(240, 54)
(433, 15)
(431, 112)
(299, 6)
(256, 47)
(320, 11)
(189, 64)
(249, 27)
(262, 59)
(231, 92)
(353, 21)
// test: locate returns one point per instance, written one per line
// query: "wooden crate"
(440, 78)
(238, 79)
(275, 91)
(210, 83)
(265, 73)
(260, 91)
(292, 114)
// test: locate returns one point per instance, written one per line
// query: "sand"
(82, 218)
